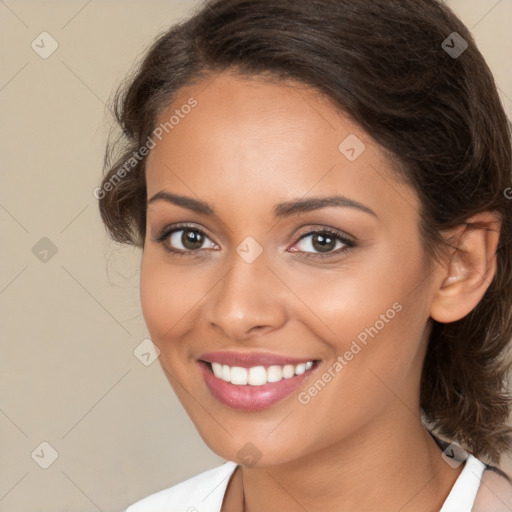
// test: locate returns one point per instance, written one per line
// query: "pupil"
(191, 239)
(325, 243)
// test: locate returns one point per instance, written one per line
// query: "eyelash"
(348, 243)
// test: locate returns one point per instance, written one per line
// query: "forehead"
(247, 141)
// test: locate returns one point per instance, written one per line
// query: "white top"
(205, 492)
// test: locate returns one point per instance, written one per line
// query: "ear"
(466, 274)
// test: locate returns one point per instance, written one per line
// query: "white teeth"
(288, 371)
(238, 375)
(258, 375)
(217, 370)
(226, 373)
(274, 373)
(300, 368)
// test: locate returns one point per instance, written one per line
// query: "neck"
(375, 469)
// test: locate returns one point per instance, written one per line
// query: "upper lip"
(250, 359)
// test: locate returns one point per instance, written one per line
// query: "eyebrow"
(280, 210)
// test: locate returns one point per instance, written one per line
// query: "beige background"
(70, 324)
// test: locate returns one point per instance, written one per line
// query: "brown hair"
(439, 115)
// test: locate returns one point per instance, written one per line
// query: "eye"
(184, 240)
(324, 241)
(187, 240)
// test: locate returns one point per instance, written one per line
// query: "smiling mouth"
(257, 387)
(258, 375)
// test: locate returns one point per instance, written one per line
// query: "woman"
(320, 191)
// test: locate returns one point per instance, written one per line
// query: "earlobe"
(467, 273)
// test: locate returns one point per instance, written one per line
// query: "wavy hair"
(384, 63)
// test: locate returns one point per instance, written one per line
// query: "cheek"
(376, 311)
(375, 335)
(168, 293)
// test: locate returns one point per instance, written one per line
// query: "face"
(343, 284)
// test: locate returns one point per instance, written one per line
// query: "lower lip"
(251, 398)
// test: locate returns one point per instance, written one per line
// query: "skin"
(359, 444)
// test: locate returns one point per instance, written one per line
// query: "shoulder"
(204, 492)
(495, 491)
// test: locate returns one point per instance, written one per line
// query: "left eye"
(323, 242)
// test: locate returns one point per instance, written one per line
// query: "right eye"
(184, 240)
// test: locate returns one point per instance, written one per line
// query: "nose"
(248, 301)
